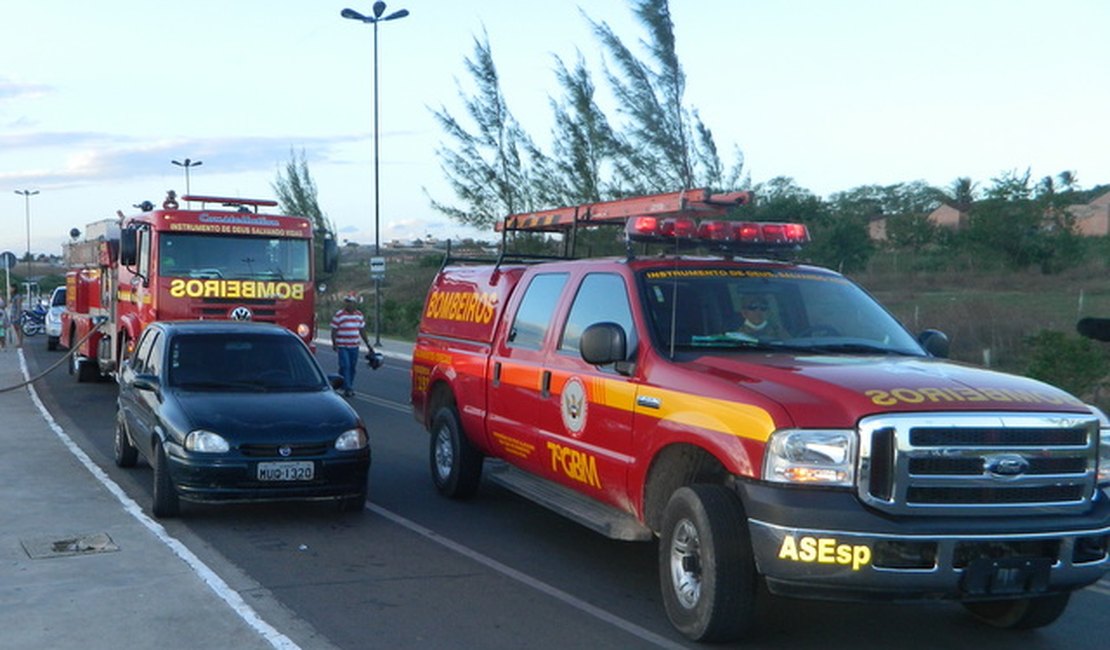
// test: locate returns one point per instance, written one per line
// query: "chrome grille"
(978, 463)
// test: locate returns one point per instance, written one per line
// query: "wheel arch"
(675, 466)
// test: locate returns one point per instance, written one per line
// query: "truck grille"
(978, 463)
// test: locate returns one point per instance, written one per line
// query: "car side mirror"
(147, 382)
(336, 381)
(605, 343)
(935, 343)
(1094, 328)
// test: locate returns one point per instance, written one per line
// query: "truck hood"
(836, 390)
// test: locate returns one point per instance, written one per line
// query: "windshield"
(769, 309)
(243, 362)
(233, 258)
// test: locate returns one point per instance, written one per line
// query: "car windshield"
(769, 309)
(233, 258)
(242, 362)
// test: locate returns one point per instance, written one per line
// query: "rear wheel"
(51, 343)
(85, 369)
(456, 465)
(126, 454)
(1022, 613)
(166, 502)
(706, 568)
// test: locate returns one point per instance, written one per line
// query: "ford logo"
(1006, 465)
(285, 451)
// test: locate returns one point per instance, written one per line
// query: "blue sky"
(96, 98)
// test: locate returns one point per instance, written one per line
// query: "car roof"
(221, 327)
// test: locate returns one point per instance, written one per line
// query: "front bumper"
(235, 479)
(826, 545)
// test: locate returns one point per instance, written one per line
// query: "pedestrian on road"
(348, 326)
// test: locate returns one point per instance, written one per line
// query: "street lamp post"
(27, 194)
(187, 164)
(378, 9)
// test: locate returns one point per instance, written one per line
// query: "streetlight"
(27, 194)
(378, 9)
(187, 164)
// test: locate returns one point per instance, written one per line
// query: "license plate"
(300, 470)
(1007, 576)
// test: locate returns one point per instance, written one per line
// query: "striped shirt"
(346, 328)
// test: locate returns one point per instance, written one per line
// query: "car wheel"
(1022, 613)
(125, 452)
(456, 465)
(52, 343)
(166, 502)
(706, 567)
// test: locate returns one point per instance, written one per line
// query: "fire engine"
(767, 421)
(228, 262)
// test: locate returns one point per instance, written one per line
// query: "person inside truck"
(755, 319)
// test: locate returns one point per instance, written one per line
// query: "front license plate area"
(298, 470)
(1007, 576)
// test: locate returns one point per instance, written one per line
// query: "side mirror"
(331, 255)
(1094, 328)
(603, 343)
(935, 343)
(336, 381)
(128, 246)
(146, 382)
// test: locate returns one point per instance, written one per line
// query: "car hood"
(836, 390)
(317, 415)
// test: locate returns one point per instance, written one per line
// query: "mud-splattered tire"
(456, 465)
(706, 567)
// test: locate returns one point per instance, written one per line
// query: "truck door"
(591, 407)
(516, 389)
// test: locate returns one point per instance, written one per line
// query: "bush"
(1074, 364)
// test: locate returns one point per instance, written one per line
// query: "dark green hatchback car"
(228, 411)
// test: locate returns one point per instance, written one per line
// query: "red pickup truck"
(767, 421)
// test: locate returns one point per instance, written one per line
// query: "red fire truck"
(228, 262)
(766, 421)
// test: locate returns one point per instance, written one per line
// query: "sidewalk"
(81, 564)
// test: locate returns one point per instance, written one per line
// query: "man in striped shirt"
(347, 327)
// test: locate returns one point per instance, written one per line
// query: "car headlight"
(351, 440)
(206, 442)
(811, 457)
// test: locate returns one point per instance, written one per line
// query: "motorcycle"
(33, 321)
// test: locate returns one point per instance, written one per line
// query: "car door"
(517, 389)
(589, 446)
(144, 404)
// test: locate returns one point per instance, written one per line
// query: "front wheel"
(706, 567)
(166, 503)
(126, 455)
(1022, 613)
(456, 465)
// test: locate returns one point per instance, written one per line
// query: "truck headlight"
(811, 457)
(1103, 446)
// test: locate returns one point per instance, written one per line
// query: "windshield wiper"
(854, 347)
(222, 385)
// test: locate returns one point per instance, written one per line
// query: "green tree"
(664, 145)
(490, 167)
(583, 142)
(297, 195)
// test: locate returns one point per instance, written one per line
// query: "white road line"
(206, 574)
(635, 630)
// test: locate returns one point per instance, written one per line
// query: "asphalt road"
(415, 570)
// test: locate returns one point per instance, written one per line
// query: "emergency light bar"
(730, 235)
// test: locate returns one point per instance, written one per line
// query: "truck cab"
(768, 422)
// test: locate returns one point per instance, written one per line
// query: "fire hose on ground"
(66, 357)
